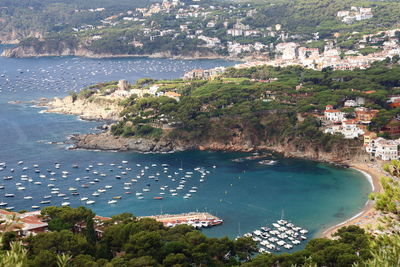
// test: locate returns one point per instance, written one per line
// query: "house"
(384, 149)
(350, 130)
(194, 74)
(288, 51)
(173, 95)
(334, 115)
(350, 103)
(24, 224)
(99, 225)
(365, 115)
(368, 137)
(392, 128)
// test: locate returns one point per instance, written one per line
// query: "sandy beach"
(368, 216)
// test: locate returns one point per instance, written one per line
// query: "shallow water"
(247, 195)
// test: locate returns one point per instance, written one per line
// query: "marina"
(196, 219)
(282, 235)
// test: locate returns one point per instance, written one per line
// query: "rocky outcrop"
(87, 109)
(30, 51)
(15, 36)
(106, 141)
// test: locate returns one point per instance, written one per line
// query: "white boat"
(72, 189)
(89, 202)
(47, 197)
(28, 197)
(3, 204)
(112, 201)
(125, 162)
(108, 186)
(84, 199)
(9, 195)
(65, 204)
(35, 207)
(45, 202)
(38, 183)
(146, 189)
(174, 194)
(139, 194)
(96, 194)
(140, 197)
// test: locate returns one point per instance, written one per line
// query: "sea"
(233, 186)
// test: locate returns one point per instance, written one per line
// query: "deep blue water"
(246, 195)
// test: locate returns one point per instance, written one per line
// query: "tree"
(16, 256)
(90, 232)
(245, 247)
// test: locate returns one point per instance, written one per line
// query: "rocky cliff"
(81, 51)
(106, 141)
(30, 51)
(15, 36)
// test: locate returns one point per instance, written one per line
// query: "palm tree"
(16, 256)
(63, 260)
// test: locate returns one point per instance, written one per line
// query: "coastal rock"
(85, 109)
(106, 141)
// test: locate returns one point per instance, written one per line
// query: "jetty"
(195, 219)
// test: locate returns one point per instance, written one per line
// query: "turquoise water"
(247, 195)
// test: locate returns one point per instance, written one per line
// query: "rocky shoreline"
(28, 52)
(107, 142)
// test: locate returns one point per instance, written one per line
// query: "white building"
(288, 51)
(334, 115)
(350, 130)
(350, 103)
(384, 149)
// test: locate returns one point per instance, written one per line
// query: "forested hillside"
(22, 19)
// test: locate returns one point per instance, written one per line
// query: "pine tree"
(90, 231)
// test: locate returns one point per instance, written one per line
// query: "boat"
(45, 202)
(89, 202)
(84, 199)
(28, 197)
(35, 207)
(47, 197)
(96, 194)
(117, 197)
(158, 198)
(139, 194)
(112, 202)
(140, 197)
(3, 204)
(65, 204)
(9, 195)
(108, 186)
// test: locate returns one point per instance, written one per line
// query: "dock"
(195, 219)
